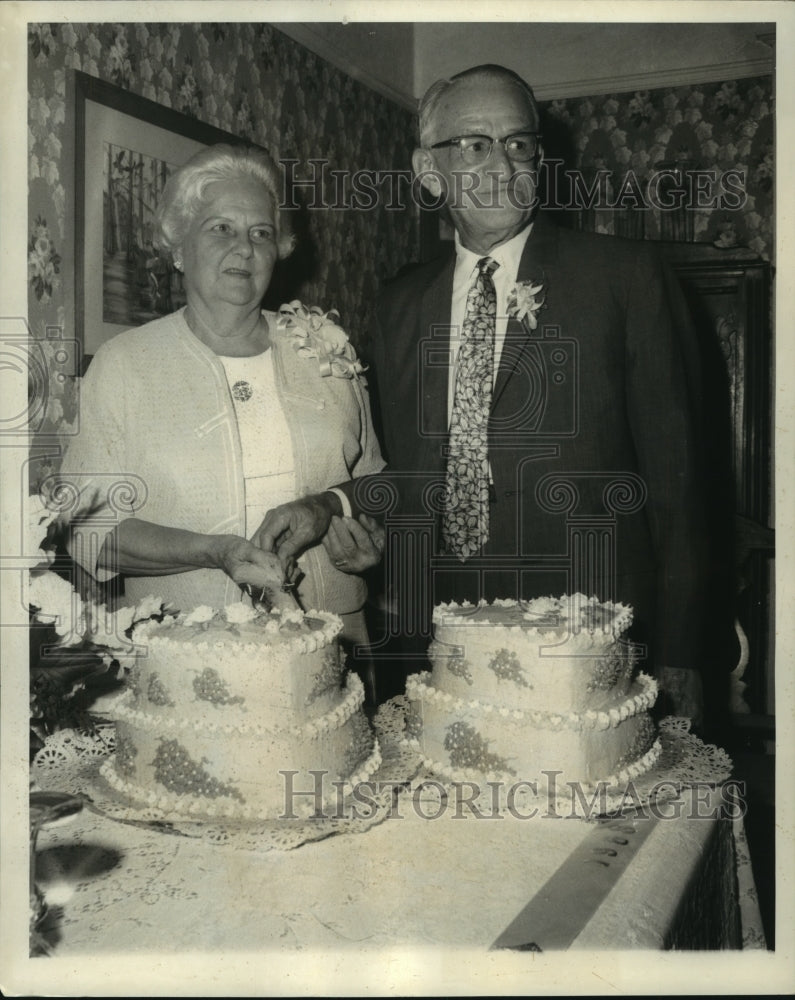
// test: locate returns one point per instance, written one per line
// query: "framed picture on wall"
(126, 147)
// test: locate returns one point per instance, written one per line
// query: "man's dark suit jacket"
(594, 436)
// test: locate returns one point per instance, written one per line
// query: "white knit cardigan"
(158, 440)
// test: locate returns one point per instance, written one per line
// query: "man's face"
(489, 202)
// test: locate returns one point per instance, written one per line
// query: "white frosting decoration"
(620, 778)
(206, 633)
(223, 708)
(226, 808)
(368, 768)
(203, 613)
(550, 616)
(240, 613)
(418, 686)
(521, 687)
(121, 708)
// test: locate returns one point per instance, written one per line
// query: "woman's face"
(230, 249)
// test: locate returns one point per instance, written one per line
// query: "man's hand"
(292, 527)
(354, 546)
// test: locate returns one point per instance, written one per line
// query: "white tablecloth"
(410, 881)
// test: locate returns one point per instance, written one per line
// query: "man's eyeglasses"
(476, 149)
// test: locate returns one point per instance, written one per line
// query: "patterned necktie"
(465, 521)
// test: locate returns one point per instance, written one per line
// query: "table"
(412, 881)
(450, 905)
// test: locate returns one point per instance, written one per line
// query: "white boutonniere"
(316, 334)
(525, 301)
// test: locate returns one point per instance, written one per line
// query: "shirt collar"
(508, 254)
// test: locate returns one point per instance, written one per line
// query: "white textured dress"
(268, 463)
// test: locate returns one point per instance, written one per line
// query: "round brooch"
(242, 391)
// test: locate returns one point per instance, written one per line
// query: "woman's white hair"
(434, 94)
(185, 190)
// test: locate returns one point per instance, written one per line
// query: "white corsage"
(525, 301)
(317, 335)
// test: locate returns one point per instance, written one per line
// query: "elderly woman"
(194, 425)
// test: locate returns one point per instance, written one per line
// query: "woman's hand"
(141, 548)
(354, 546)
(248, 564)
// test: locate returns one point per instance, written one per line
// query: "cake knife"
(283, 597)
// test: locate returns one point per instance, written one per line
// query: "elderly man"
(545, 382)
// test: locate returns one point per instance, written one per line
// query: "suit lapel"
(433, 360)
(538, 262)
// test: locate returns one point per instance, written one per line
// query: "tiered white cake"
(229, 713)
(519, 691)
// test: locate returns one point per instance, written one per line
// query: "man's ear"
(425, 170)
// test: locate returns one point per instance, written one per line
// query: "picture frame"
(125, 147)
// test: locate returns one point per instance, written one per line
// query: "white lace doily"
(71, 759)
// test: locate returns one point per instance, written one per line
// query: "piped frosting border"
(166, 633)
(544, 615)
(195, 807)
(336, 717)
(419, 687)
(618, 780)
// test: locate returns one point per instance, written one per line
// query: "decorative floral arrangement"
(525, 301)
(317, 335)
(76, 645)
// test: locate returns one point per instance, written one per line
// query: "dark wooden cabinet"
(729, 293)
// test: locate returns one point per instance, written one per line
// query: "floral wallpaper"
(248, 79)
(726, 128)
